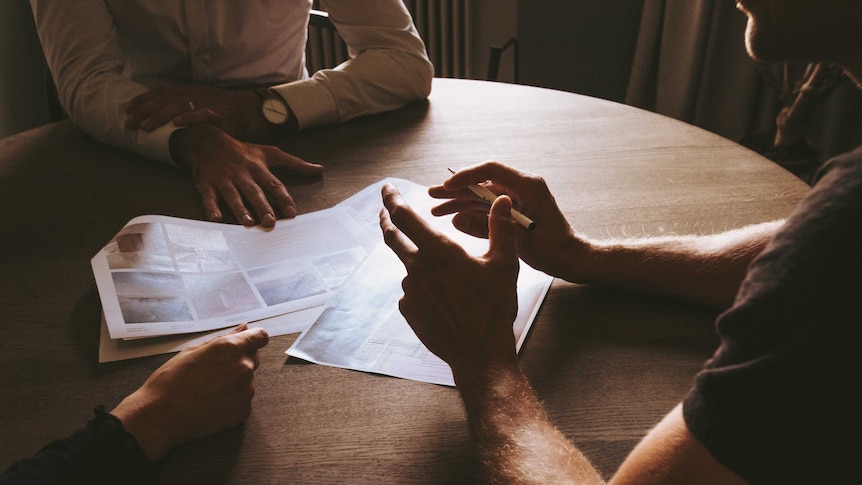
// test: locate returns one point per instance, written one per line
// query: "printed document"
(163, 275)
(362, 328)
(166, 283)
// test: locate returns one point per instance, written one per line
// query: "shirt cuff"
(311, 103)
(156, 144)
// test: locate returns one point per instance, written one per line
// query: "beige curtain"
(690, 63)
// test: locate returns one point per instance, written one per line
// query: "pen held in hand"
(490, 197)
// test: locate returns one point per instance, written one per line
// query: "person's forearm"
(390, 67)
(514, 440)
(702, 269)
(87, 62)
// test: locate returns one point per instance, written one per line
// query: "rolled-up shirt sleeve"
(388, 66)
(87, 62)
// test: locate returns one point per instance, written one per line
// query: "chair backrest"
(325, 49)
(495, 56)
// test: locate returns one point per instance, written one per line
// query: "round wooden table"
(608, 365)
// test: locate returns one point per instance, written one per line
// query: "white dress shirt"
(102, 53)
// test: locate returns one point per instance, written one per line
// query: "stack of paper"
(166, 283)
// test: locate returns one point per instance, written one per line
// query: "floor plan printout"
(162, 275)
(361, 327)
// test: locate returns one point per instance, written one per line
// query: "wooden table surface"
(607, 364)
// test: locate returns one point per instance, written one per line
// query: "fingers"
(210, 203)
(412, 225)
(295, 164)
(250, 193)
(454, 206)
(236, 201)
(248, 341)
(499, 173)
(251, 339)
(441, 192)
(472, 223)
(472, 218)
(283, 200)
(395, 239)
(190, 117)
(233, 198)
(471, 213)
(183, 104)
(253, 193)
(143, 99)
(402, 246)
(160, 111)
(239, 174)
(493, 176)
(502, 241)
(246, 338)
(273, 186)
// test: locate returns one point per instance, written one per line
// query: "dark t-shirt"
(777, 401)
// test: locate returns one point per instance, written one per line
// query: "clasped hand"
(235, 111)
(216, 143)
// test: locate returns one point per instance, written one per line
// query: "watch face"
(274, 110)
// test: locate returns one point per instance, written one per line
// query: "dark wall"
(578, 45)
(23, 73)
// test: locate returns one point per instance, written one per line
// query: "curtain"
(690, 63)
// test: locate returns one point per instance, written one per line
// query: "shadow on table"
(612, 364)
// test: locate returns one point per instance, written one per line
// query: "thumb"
(252, 339)
(502, 243)
(255, 338)
(296, 165)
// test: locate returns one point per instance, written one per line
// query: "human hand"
(200, 391)
(460, 306)
(237, 172)
(235, 111)
(548, 248)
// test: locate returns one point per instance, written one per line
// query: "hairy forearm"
(514, 440)
(702, 269)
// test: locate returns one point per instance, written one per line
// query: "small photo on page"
(214, 294)
(150, 297)
(200, 250)
(282, 283)
(139, 246)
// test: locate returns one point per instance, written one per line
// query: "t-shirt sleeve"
(100, 453)
(774, 402)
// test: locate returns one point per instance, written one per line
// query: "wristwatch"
(273, 106)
